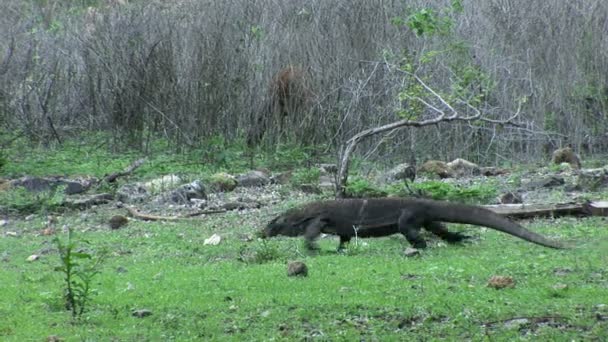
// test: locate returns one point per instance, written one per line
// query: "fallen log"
(148, 217)
(521, 211)
(112, 177)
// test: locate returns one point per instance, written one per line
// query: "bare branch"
(441, 116)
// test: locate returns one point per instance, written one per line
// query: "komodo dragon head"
(291, 223)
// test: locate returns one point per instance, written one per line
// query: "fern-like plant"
(79, 269)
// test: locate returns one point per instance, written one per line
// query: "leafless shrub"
(188, 70)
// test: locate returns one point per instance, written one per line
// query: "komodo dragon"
(386, 216)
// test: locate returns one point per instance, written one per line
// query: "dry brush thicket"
(189, 69)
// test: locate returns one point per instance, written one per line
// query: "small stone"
(13, 234)
(3, 223)
(118, 221)
(562, 271)
(501, 282)
(33, 257)
(30, 217)
(141, 313)
(560, 287)
(410, 252)
(310, 189)
(214, 240)
(510, 198)
(48, 231)
(297, 269)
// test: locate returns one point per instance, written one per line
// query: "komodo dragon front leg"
(409, 225)
(312, 232)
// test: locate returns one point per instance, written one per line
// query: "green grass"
(373, 292)
(90, 155)
(239, 289)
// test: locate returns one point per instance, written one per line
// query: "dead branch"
(112, 177)
(449, 114)
(148, 217)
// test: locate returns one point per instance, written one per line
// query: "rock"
(87, 201)
(141, 313)
(118, 221)
(400, 172)
(282, 178)
(161, 184)
(38, 184)
(232, 206)
(183, 194)
(491, 171)
(501, 282)
(548, 182)
(510, 198)
(560, 287)
(327, 182)
(244, 204)
(33, 257)
(566, 155)
(592, 179)
(132, 193)
(562, 271)
(435, 167)
(460, 167)
(3, 223)
(253, 179)
(48, 231)
(214, 240)
(328, 168)
(410, 252)
(310, 189)
(297, 269)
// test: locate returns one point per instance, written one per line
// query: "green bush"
(305, 176)
(360, 188)
(24, 201)
(261, 253)
(479, 193)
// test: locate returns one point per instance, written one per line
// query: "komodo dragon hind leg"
(442, 232)
(410, 227)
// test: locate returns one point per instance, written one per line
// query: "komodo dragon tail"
(468, 214)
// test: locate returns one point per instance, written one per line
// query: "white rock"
(214, 240)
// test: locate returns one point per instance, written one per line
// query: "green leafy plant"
(469, 82)
(222, 181)
(359, 188)
(79, 268)
(438, 190)
(261, 253)
(288, 155)
(479, 193)
(305, 176)
(25, 201)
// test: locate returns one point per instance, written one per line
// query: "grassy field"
(239, 290)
